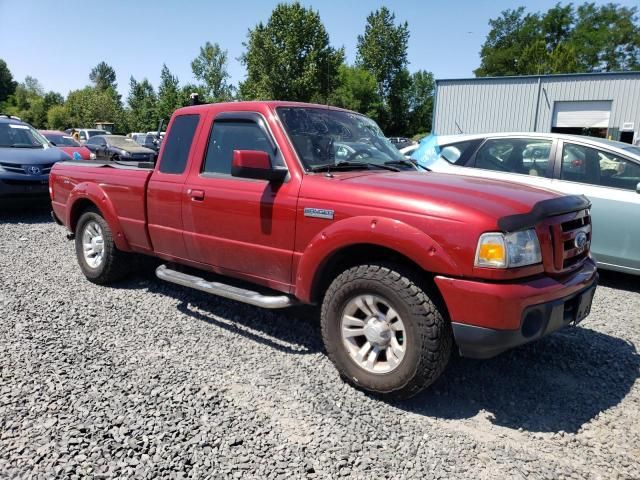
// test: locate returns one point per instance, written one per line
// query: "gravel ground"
(149, 379)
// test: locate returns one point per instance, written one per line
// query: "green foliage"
(421, 96)
(58, 118)
(382, 51)
(290, 58)
(7, 84)
(357, 90)
(89, 105)
(142, 113)
(210, 68)
(103, 76)
(28, 102)
(564, 39)
(169, 95)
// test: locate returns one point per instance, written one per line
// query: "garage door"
(581, 114)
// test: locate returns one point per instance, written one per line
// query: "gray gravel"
(148, 379)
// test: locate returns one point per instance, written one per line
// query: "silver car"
(607, 172)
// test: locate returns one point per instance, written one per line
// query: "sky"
(58, 42)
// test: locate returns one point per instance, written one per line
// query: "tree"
(357, 90)
(142, 112)
(169, 97)
(564, 39)
(7, 84)
(89, 105)
(103, 76)
(607, 38)
(210, 68)
(58, 118)
(382, 50)
(27, 102)
(290, 57)
(510, 35)
(421, 102)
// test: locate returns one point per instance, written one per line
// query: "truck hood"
(447, 195)
(32, 156)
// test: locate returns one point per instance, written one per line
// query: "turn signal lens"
(491, 251)
(508, 250)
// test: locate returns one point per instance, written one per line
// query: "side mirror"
(638, 188)
(257, 165)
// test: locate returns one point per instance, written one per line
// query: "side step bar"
(222, 290)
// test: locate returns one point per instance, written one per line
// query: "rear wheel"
(99, 259)
(383, 332)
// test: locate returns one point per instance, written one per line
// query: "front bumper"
(33, 187)
(489, 318)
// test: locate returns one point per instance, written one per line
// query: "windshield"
(430, 154)
(16, 135)
(324, 137)
(61, 140)
(122, 142)
(93, 133)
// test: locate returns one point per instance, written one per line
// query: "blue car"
(26, 158)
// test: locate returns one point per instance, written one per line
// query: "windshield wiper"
(352, 164)
(408, 163)
(24, 145)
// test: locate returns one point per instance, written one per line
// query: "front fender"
(384, 232)
(97, 196)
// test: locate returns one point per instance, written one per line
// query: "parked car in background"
(148, 141)
(86, 133)
(401, 142)
(119, 147)
(607, 172)
(67, 144)
(408, 151)
(294, 202)
(26, 158)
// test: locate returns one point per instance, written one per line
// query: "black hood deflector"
(542, 210)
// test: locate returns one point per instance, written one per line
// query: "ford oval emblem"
(580, 240)
(77, 156)
(33, 170)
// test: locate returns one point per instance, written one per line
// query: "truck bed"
(123, 188)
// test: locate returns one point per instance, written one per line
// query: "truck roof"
(253, 105)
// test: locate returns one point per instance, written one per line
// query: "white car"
(607, 172)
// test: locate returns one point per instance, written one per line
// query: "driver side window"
(227, 136)
(527, 156)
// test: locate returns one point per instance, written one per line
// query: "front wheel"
(383, 332)
(99, 259)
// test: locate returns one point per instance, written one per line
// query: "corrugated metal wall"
(509, 104)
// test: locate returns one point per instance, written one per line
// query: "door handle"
(197, 195)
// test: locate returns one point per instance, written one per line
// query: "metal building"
(598, 104)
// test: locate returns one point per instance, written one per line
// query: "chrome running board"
(222, 290)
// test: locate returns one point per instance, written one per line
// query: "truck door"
(164, 191)
(243, 226)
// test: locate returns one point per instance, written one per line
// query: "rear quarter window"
(178, 143)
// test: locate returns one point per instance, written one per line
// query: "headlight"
(508, 250)
(92, 156)
(124, 153)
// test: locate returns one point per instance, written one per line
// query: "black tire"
(429, 337)
(115, 263)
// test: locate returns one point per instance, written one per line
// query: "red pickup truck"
(278, 203)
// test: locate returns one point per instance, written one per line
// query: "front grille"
(23, 169)
(565, 254)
